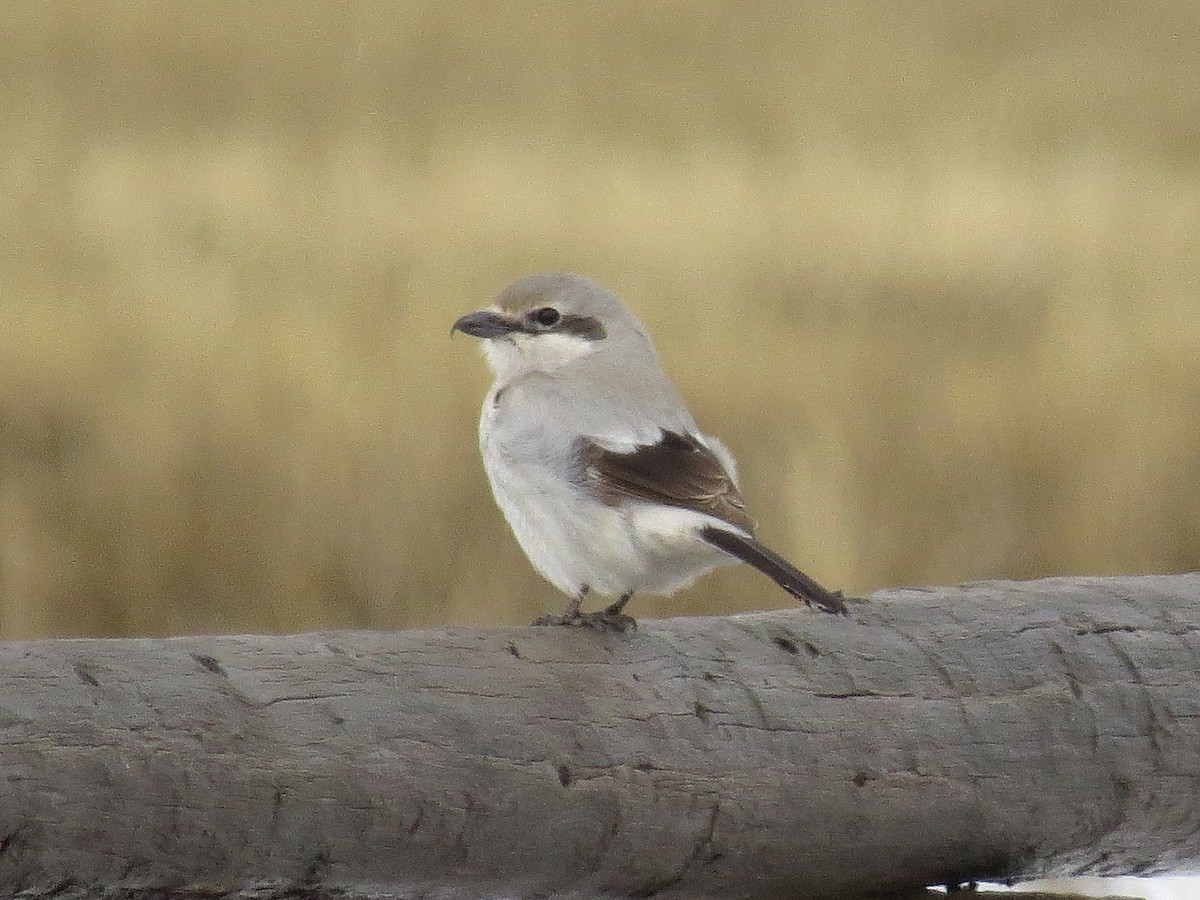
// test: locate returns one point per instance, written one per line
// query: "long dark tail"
(775, 567)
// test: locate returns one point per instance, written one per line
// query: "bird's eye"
(546, 316)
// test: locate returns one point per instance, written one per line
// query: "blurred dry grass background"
(931, 270)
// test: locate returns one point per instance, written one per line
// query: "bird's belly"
(571, 539)
(574, 540)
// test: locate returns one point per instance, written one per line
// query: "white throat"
(519, 354)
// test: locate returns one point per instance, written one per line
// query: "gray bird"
(605, 479)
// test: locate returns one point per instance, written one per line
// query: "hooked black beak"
(485, 323)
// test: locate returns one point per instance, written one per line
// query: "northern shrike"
(593, 458)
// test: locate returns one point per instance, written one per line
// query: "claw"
(565, 618)
(604, 620)
(611, 618)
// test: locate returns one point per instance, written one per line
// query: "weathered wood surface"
(937, 735)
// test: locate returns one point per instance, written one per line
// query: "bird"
(606, 481)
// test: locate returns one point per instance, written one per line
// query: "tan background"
(931, 270)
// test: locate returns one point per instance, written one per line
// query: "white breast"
(574, 540)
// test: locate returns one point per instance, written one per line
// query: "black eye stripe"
(583, 326)
(547, 318)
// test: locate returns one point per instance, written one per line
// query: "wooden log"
(988, 731)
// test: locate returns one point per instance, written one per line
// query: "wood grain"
(986, 731)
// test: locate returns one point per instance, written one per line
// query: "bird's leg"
(617, 608)
(572, 615)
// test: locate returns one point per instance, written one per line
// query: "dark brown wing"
(677, 471)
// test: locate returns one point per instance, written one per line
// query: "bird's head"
(546, 322)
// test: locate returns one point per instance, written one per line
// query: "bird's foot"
(608, 619)
(612, 619)
(604, 620)
(570, 617)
